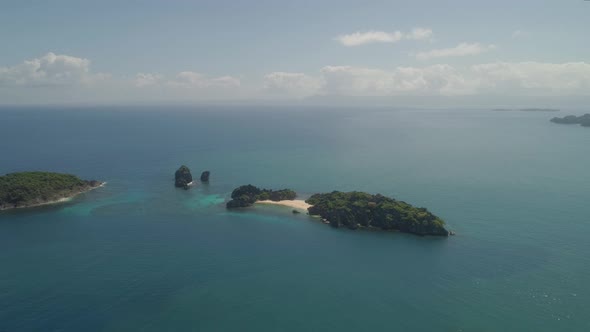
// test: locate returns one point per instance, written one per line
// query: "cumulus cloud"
(463, 49)
(293, 84)
(50, 69)
(361, 38)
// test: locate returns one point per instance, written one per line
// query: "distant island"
(583, 120)
(353, 210)
(28, 189)
(526, 110)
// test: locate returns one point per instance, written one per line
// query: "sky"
(227, 51)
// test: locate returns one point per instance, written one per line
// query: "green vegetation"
(583, 120)
(35, 188)
(358, 209)
(247, 195)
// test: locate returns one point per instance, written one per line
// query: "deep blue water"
(140, 255)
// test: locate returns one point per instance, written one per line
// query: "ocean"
(141, 255)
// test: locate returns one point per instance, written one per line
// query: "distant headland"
(353, 210)
(526, 110)
(28, 189)
(583, 120)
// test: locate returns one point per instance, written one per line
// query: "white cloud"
(50, 69)
(361, 38)
(463, 49)
(293, 84)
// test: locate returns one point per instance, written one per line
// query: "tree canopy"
(358, 209)
(247, 195)
(29, 188)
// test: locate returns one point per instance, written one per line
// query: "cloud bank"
(510, 78)
(64, 77)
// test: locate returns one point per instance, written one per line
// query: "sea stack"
(205, 176)
(183, 177)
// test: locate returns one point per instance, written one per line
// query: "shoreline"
(56, 201)
(296, 203)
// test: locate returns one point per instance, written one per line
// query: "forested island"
(359, 209)
(247, 195)
(583, 120)
(27, 189)
(351, 209)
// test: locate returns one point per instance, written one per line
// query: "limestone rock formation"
(183, 177)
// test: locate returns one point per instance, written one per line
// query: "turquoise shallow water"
(139, 255)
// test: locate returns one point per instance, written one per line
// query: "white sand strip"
(296, 203)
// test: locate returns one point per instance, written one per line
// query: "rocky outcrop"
(205, 176)
(183, 177)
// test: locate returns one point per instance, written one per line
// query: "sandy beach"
(296, 203)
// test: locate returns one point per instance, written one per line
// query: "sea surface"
(140, 255)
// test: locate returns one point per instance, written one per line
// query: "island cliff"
(28, 189)
(183, 177)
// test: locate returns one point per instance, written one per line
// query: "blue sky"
(109, 51)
